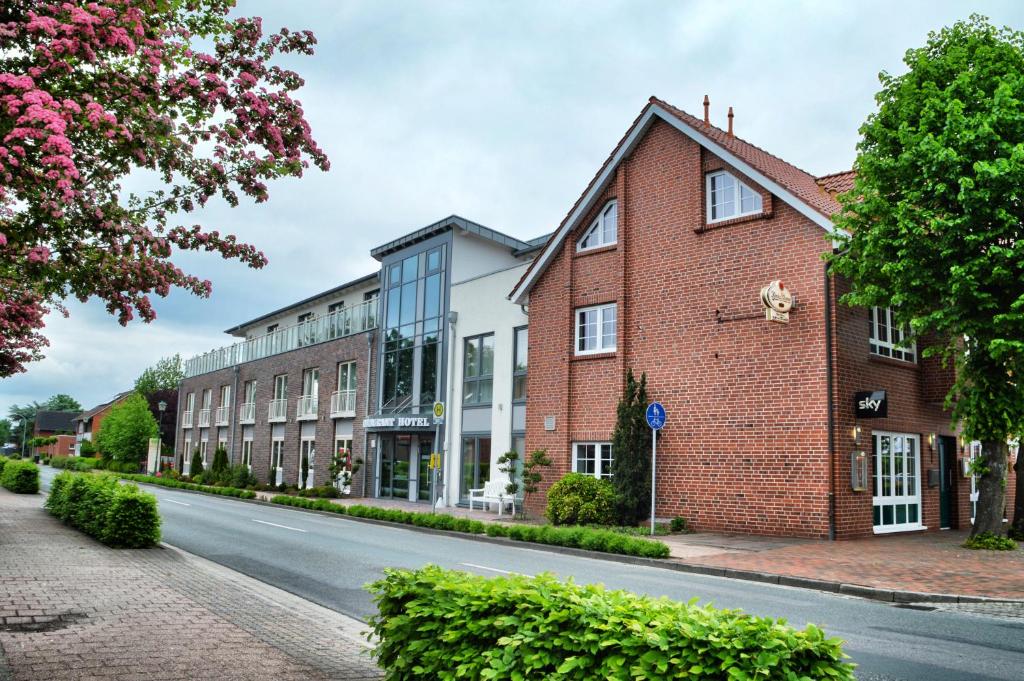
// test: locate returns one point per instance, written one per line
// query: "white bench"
(493, 491)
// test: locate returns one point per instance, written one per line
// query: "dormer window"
(603, 231)
(729, 198)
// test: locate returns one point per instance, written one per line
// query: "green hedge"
(20, 477)
(439, 624)
(75, 463)
(177, 484)
(117, 515)
(581, 499)
(606, 541)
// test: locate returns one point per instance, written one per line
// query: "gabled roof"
(88, 414)
(837, 183)
(792, 185)
(54, 421)
(443, 225)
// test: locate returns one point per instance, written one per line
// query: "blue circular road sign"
(656, 415)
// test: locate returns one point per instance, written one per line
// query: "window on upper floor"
(519, 365)
(596, 329)
(603, 231)
(272, 328)
(887, 338)
(334, 307)
(478, 370)
(729, 198)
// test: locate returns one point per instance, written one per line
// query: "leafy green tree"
(631, 452)
(164, 375)
(934, 224)
(537, 462)
(125, 432)
(61, 402)
(5, 431)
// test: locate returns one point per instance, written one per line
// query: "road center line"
(484, 567)
(181, 503)
(285, 527)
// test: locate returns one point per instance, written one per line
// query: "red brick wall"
(326, 356)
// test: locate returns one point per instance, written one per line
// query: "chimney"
(707, 105)
(730, 121)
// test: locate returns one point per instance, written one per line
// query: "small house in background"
(55, 424)
(87, 424)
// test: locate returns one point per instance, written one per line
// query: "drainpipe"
(831, 411)
(234, 418)
(370, 380)
(453, 318)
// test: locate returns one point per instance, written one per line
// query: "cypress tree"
(631, 454)
(196, 466)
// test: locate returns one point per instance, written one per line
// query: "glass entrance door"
(426, 446)
(394, 466)
(897, 483)
(476, 465)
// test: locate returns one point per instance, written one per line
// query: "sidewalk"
(71, 608)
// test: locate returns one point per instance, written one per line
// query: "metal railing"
(278, 410)
(223, 416)
(204, 418)
(247, 413)
(343, 403)
(306, 407)
(186, 419)
(346, 321)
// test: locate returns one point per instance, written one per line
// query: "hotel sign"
(397, 422)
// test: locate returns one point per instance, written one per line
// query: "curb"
(847, 589)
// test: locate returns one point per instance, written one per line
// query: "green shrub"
(990, 542)
(177, 484)
(20, 477)
(241, 477)
(679, 525)
(580, 499)
(324, 492)
(439, 624)
(3, 461)
(196, 466)
(117, 515)
(87, 449)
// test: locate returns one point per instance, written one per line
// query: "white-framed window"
(247, 454)
(276, 461)
(596, 329)
(604, 230)
(202, 454)
(887, 338)
(896, 482)
(729, 198)
(592, 458)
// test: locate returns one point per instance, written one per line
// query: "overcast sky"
(500, 112)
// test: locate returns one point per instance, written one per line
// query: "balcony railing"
(223, 416)
(247, 413)
(306, 408)
(186, 419)
(343, 322)
(204, 418)
(278, 410)
(343, 403)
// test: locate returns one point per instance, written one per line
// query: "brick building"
(56, 424)
(659, 268)
(87, 424)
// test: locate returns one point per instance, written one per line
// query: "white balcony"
(204, 418)
(278, 411)
(247, 413)
(306, 408)
(223, 416)
(186, 419)
(343, 404)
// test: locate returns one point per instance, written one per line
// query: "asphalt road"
(328, 561)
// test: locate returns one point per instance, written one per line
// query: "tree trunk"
(991, 492)
(1018, 501)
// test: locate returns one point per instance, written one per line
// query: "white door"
(975, 454)
(276, 469)
(307, 449)
(897, 482)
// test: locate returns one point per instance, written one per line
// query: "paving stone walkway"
(71, 608)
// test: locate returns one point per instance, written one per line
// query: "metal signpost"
(656, 420)
(435, 456)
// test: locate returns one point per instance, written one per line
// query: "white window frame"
(893, 346)
(891, 499)
(307, 445)
(599, 461)
(277, 454)
(247, 453)
(737, 198)
(609, 215)
(602, 313)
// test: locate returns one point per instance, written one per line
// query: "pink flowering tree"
(173, 91)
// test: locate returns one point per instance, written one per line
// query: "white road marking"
(484, 567)
(285, 527)
(182, 503)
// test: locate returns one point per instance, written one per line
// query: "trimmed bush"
(20, 477)
(324, 492)
(592, 539)
(118, 515)
(177, 484)
(987, 541)
(440, 624)
(581, 499)
(74, 463)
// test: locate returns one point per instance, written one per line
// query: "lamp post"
(161, 407)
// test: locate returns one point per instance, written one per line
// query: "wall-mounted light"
(931, 441)
(858, 471)
(855, 433)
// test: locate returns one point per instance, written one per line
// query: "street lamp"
(161, 407)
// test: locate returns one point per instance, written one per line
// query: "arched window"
(604, 231)
(729, 198)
